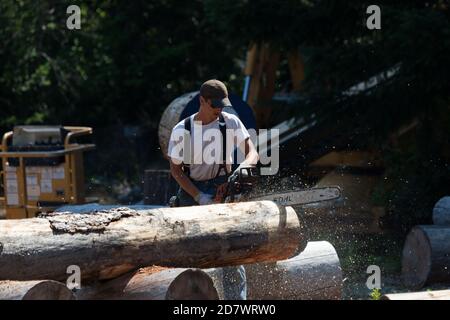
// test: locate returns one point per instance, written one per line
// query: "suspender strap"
(223, 131)
(187, 146)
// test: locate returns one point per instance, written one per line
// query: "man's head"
(213, 97)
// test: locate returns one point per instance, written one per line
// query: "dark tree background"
(131, 58)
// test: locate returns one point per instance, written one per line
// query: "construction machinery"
(42, 169)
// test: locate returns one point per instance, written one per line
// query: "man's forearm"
(184, 182)
(251, 155)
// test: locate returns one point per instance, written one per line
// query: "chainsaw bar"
(300, 196)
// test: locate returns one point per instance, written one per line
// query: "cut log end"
(192, 284)
(426, 256)
(49, 290)
(35, 290)
(416, 258)
(441, 212)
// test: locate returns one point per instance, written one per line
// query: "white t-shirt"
(206, 145)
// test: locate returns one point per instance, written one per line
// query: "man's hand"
(221, 193)
(251, 159)
(204, 198)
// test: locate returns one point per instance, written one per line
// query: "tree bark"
(157, 283)
(109, 243)
(426, 256)
(441, 212)
(34, 290)
(425, 295)
(312, 275)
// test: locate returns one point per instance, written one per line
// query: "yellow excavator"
(261, 66)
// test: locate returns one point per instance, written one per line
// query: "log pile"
(158, 283)
(426, 252)
(115, 247)
(441, 212)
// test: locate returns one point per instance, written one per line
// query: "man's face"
(208, 107)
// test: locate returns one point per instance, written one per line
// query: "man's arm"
(183, 180)
(251, 155)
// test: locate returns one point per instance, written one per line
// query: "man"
(198, 177)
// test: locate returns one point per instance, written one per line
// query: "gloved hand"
(204, 199)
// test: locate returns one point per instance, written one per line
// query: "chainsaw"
(241, 187)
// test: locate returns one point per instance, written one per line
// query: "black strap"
(223, 131)
(187, 144)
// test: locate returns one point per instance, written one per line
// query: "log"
(158, 283)
(170, 117)
(441, 212)
(192, 285)
(109, 243)
(315, 274)
(34, 290)
(426, 256)
(424, 295)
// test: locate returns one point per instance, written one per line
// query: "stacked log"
(192, 285)
(34, 290)
(426, 253)
(426, 256)
(158, 283)
(109, 246)
(170, 117)
(441, 212)
(314, 274)
(424, 295)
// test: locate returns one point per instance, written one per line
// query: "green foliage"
(375, 294)
(124, 66)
